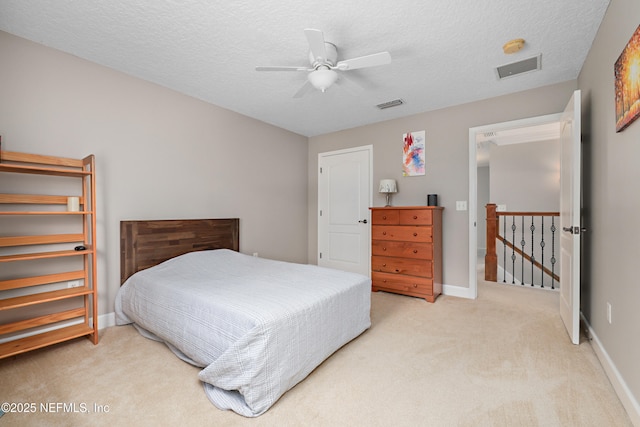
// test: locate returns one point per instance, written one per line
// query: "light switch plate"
(461, 205)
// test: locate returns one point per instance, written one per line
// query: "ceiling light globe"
(321, 79)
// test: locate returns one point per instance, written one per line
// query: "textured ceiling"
(444, 52)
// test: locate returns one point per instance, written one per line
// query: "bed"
(256, 327)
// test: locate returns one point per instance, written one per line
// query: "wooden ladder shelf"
(46, 309)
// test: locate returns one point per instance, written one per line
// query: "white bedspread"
(256, 326)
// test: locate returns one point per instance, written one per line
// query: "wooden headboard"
(144, 244)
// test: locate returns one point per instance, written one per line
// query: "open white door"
(344, 198)
(570, 169)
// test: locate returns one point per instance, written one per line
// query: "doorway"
(516, 131)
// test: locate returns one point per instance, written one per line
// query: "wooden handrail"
(527, 213)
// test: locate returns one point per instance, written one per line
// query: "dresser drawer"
(410, 266)
(402, 249)
(402, 284)
(390, 217)
(402, 232)
(416, 217)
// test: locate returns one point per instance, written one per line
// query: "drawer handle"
(384, 233)
(384, 217)
(415, 217)
(415, 234)
(384, 249)
(415, 286)
(384, 265)
(415, 251)
(397, 270)
(384, 281)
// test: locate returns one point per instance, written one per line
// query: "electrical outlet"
(255, 254)
(461, 205)
(74, 284)
(501, 208)
(609, 312)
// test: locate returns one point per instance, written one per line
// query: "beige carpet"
(501, 360)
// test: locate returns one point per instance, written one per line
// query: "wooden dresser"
(406, 250)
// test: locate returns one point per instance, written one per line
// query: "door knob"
(574, 229)
(364, 221)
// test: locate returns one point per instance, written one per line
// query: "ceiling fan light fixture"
(321, 79)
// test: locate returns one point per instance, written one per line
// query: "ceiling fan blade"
(316, 44)
(374, 60)
(277, 68)
(306, 88)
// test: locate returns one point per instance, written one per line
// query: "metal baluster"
(522, 243)
(533, 258)
(553, 252)
(542, 251)
(504, 249)
(513, 250)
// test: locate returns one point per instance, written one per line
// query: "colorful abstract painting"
(627, 76)
(413, 154)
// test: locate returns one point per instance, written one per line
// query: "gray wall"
(611, 174)
(526, 177)
(447, 161)
(159, 154)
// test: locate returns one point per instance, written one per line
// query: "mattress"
(257, 327)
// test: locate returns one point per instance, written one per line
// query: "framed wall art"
(413, 153)
(627, 83)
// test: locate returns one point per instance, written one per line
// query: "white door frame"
(473, 190)
(369, 150)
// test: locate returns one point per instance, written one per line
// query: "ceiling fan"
(324, 66)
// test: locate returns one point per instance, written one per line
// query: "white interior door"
(344, 197)
(570, 169)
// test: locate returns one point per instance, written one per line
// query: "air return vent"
(390, 104)
(520, 67)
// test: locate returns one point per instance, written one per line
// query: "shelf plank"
(40, 240)
(25, 282)
(42, 320)
(43, 170)
(44, 255)
(45, 213)
(14, 156)
(36, 199)
(22, 345)
(43, 297)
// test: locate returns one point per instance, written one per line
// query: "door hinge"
(320, 212)
(320, 255)
(320, 169)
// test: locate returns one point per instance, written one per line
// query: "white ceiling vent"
(525, 66)
(390, 104)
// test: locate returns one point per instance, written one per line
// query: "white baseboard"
(457, 291)
(619, 385)
(106, 320)
(508, 276)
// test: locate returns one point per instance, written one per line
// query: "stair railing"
(524, 260)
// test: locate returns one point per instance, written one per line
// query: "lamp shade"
(321, 79)
(388, 186)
